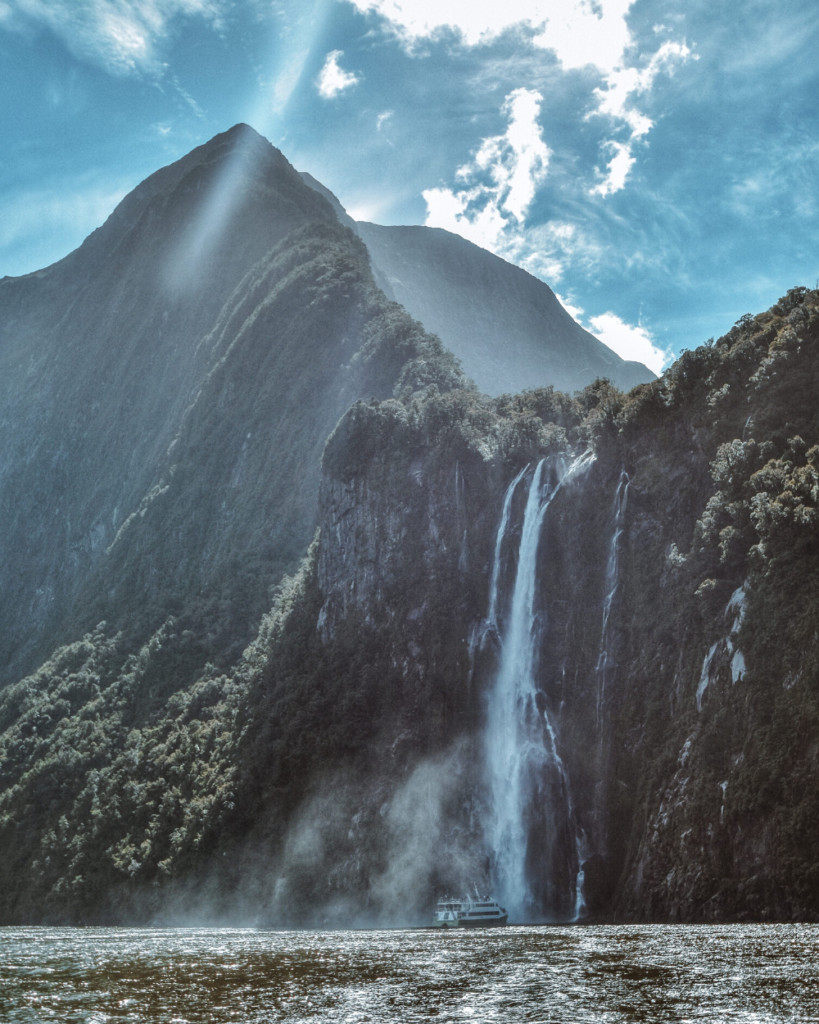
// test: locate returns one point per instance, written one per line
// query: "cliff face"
(660, 699)
(727, 818)
(674, 620)
(560, 646)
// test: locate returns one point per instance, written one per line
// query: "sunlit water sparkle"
(747, 973)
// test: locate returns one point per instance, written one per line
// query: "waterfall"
(492, 614)
(605, 661)
(532, 832)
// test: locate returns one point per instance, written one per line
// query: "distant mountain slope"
(203, 321)
(506, 327)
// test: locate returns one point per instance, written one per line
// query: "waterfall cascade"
(492, 614)
(605, 669)
(533, 834)
(605, 661)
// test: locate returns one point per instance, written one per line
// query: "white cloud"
(382, 119)
(332, 79)
(121, 35)
(583, 32)
(580, 32)
(574, 311)
(618, 168)
(499, 183)
(491, 202)
(483, 226)
(628, 341)
(616, 101)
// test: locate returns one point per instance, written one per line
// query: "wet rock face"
(362, 533)
(671, 701)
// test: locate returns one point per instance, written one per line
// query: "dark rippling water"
(750, 973)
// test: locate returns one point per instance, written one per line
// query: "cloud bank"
(580, 32)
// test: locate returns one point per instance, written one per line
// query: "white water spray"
(532, 832)
(605, 662)
(492, 614)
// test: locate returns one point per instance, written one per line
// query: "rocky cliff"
(561, 646)
(673, 626)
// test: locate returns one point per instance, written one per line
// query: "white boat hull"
(469, 913)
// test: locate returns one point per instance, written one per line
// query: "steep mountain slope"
(342, 770)
(208, 333)
(505, 326)
(100, 357)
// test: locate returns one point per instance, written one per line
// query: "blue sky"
(655, 161)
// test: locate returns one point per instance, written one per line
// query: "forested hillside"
(165, 394)
(336, 771)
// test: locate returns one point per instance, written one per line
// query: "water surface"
(607, 974)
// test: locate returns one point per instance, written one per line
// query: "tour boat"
(469, 913)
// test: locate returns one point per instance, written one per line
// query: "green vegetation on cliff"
(338, 759)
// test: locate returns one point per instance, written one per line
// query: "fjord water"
(605, 974)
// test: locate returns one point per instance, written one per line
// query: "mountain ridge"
(506, 326)
(103, 354)
(262, 612)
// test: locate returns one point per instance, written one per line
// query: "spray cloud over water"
(361, 853)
